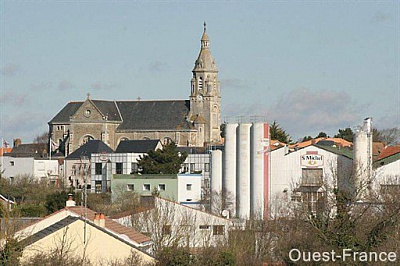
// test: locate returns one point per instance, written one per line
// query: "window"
(204, 227)
(166, 229)
(97, 187)
(130, 187)
(188, 187)
(200, 83)
(98, 169)
(206, 167)
(314, 201)
(218, 230)
(134, 168)
(87, 113)
(161, 187)
(192, 166)
(118, 168)
(146, 187)
(311, 177)
(12, 163)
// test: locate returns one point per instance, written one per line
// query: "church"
(194, 122)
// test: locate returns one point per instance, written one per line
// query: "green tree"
(346, 134)
(56, 201)
(165, 161)
(322, 135)
(278, 133)
(306, 138)
(222, 129)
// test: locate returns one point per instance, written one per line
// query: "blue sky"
(311, 65)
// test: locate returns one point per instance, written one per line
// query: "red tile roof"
(112, 226)
(388, 151)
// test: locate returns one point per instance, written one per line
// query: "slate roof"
(154, 115)
(35, 150)
(137, 115)
(92, 146)
(64, 115)
(137, 146)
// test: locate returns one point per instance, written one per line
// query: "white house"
(39, 168)
(168, 222)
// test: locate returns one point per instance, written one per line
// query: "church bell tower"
(205, 95)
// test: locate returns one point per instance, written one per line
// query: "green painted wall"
(119, 182)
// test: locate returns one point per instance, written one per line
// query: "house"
(39, 168)
(181, 188)
(387, 168)
(77, 164)
(168, 223)
(192, 122)
(123, 161)
(81, 232)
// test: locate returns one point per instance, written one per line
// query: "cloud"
(380, 17)
(10, 69)
(65, 85)
(157, 66)
(236, 84)
(304, 111)
(103, 86)
(23, 125)
(14, 99)
(300, 112)
(44, 85)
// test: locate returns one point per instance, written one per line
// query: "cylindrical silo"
(362, 158)
(257, 149)
(216, 182)
(243, 171)
(229, 168)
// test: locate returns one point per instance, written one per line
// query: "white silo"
(259, 142)
(362, 158)
(229, 167)
(216, 181)
(243, 171)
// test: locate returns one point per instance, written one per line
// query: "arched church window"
(85, 139)
(123, 139)
(167, 141)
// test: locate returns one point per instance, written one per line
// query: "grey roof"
(154, 115)
(36, 150)
(137, 146)
(108, 108)
(137, 115)
(92, 146)
(65, 114)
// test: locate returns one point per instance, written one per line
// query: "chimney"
(96, 219)
(70, 202)
(102, 220)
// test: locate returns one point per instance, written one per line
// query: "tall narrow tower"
(205, 95)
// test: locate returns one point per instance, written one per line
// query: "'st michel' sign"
(312, 159)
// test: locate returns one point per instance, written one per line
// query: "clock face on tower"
(199, 97)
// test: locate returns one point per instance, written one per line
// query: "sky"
(310, 65)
